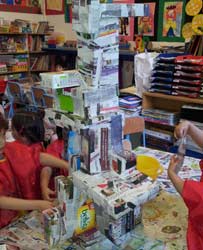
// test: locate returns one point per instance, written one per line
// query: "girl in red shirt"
(190, 190)
(10, 194)
(26, 156)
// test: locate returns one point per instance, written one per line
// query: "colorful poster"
(172, 19)
(146, 23)
(54, 7)
(126, 24)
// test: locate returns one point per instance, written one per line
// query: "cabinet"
(21, 53)
(169, 103)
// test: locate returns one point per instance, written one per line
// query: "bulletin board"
(22, 6)
(54, 7)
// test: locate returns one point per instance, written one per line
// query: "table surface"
(159, 228)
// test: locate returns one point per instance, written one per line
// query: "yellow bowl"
(148, 165)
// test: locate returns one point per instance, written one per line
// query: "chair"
(38, 96)
(133, 126)
(15, 94)
(48, 101)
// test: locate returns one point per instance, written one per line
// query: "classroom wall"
(56, 20)
(60, 26)
(14, 15)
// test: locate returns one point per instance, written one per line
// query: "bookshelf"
(167, 103)
(22, 53)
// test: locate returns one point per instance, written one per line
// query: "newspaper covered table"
(159, 228)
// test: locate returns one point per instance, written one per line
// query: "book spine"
(159, 135)
(104, 149)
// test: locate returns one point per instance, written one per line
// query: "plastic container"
(149, 166)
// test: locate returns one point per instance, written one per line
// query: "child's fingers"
(51, 192)
(173, 162)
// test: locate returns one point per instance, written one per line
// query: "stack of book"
(188, 76)
(179, 75)
(158, 138)
(162, 74)
(131, 103)
(161, 116)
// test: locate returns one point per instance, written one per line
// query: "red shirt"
(56, 149)
(193, 197)
(25, 164)
(8, 187)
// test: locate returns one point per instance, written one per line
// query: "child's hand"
(182, 129)
(173, 164)
(48, 194)
(43, 205)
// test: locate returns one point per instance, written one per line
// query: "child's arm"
(187, 128)
(175, 179)
(44, 182)
(21, 204)
(52, 161)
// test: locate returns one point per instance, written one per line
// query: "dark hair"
(59, 132)
(60, 61)
(29, 125)
(3, 123)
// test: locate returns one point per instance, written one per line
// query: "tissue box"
(56, 80)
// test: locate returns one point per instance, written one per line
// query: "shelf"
(39, 70)
(61, 50)
(167, 102)
(123, 54)
(28, 42)
(13, 53)
(37, 52)
(13, 72)
(24, 34)
(174, 98)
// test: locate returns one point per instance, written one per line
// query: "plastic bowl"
(149, 165)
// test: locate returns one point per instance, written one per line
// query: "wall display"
(170, 20)
(126, 24)
(194, 13)
(54, 7)
(22, 6)
(146, 26)
(193, 7)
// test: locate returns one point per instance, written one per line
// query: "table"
(159, 228)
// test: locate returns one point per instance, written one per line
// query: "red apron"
(9, 188)
(56, 149)
(24, 161)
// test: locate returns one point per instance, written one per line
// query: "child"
(26, 156)
(10, 195)
(56, 148)
(59, 64)
(191, 191)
